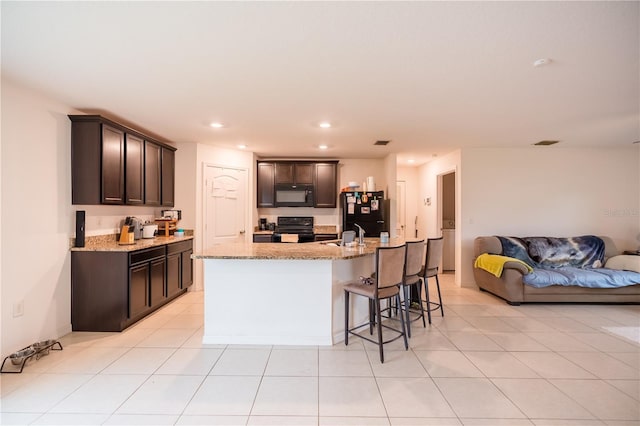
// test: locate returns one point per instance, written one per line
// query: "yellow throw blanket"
(494, 263)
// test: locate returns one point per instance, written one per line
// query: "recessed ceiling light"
(242, 146)
(325, 125)
(217, 125)
(541, 62)
(323, 146)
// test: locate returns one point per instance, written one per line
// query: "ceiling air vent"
(546, 143)
(382, 143)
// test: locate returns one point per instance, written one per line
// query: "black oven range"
(294, 229)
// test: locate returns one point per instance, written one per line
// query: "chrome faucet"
(360, 235)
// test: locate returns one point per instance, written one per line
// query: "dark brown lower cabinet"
(138, 290)
(173, 273)
(112, 290)
(157, 284)
(179, 266)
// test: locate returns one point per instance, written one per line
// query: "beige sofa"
(509, 285)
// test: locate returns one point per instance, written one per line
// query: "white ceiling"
(429, 76)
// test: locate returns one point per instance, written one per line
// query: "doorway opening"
(447, 208)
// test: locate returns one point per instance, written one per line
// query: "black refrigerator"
(365, 209)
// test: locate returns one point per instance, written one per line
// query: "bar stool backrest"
(390, 266)
(415, 257)
(433, 257)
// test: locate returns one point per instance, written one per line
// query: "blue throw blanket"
(566, 262)
(587, 277)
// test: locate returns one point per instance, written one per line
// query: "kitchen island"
(284, 294)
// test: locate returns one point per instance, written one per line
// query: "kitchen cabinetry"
(146, 279)
(112, 165)
(134, 170)
(111, 290)
(325, 237)
(168, 177)
(179, 267)
(294, 173)
(266, 185)
(326, 185)
(262, 238)
(152, 176)
(108, 165)
(322, 175)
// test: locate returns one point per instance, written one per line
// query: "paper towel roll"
(371, 183)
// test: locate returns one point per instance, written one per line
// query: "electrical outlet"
(18, 309)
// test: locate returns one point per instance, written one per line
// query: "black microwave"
(288, 195)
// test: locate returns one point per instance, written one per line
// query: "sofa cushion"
(624, 262)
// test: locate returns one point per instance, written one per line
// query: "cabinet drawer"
(179, 247)
(146, 255)
(325, 237)
(262, 238)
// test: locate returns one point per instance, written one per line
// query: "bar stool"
(413, 280)
(389, 276)
(430, 270)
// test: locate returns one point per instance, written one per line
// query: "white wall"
(186, 183)
(357, 170)
(37, 220)
(549, 191)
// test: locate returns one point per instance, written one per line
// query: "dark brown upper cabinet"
(168, 176)
(134, 169)
(322, 175)
(152, 173)
(109, 164)
(294, 173)
(266, 185)
(326, 185)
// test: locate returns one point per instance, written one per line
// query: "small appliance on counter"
(172, 214)
(134, 225)
(263, 224)
(149, 230)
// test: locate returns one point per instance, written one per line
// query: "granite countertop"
(292, 251)
(143, 243)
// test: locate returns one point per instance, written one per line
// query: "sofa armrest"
(518, 266)
(491, 245)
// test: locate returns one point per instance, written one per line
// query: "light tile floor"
(484, 363)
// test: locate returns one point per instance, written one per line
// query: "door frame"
(401, 195)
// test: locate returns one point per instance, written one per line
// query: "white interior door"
(401, 226)
(225, 205)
